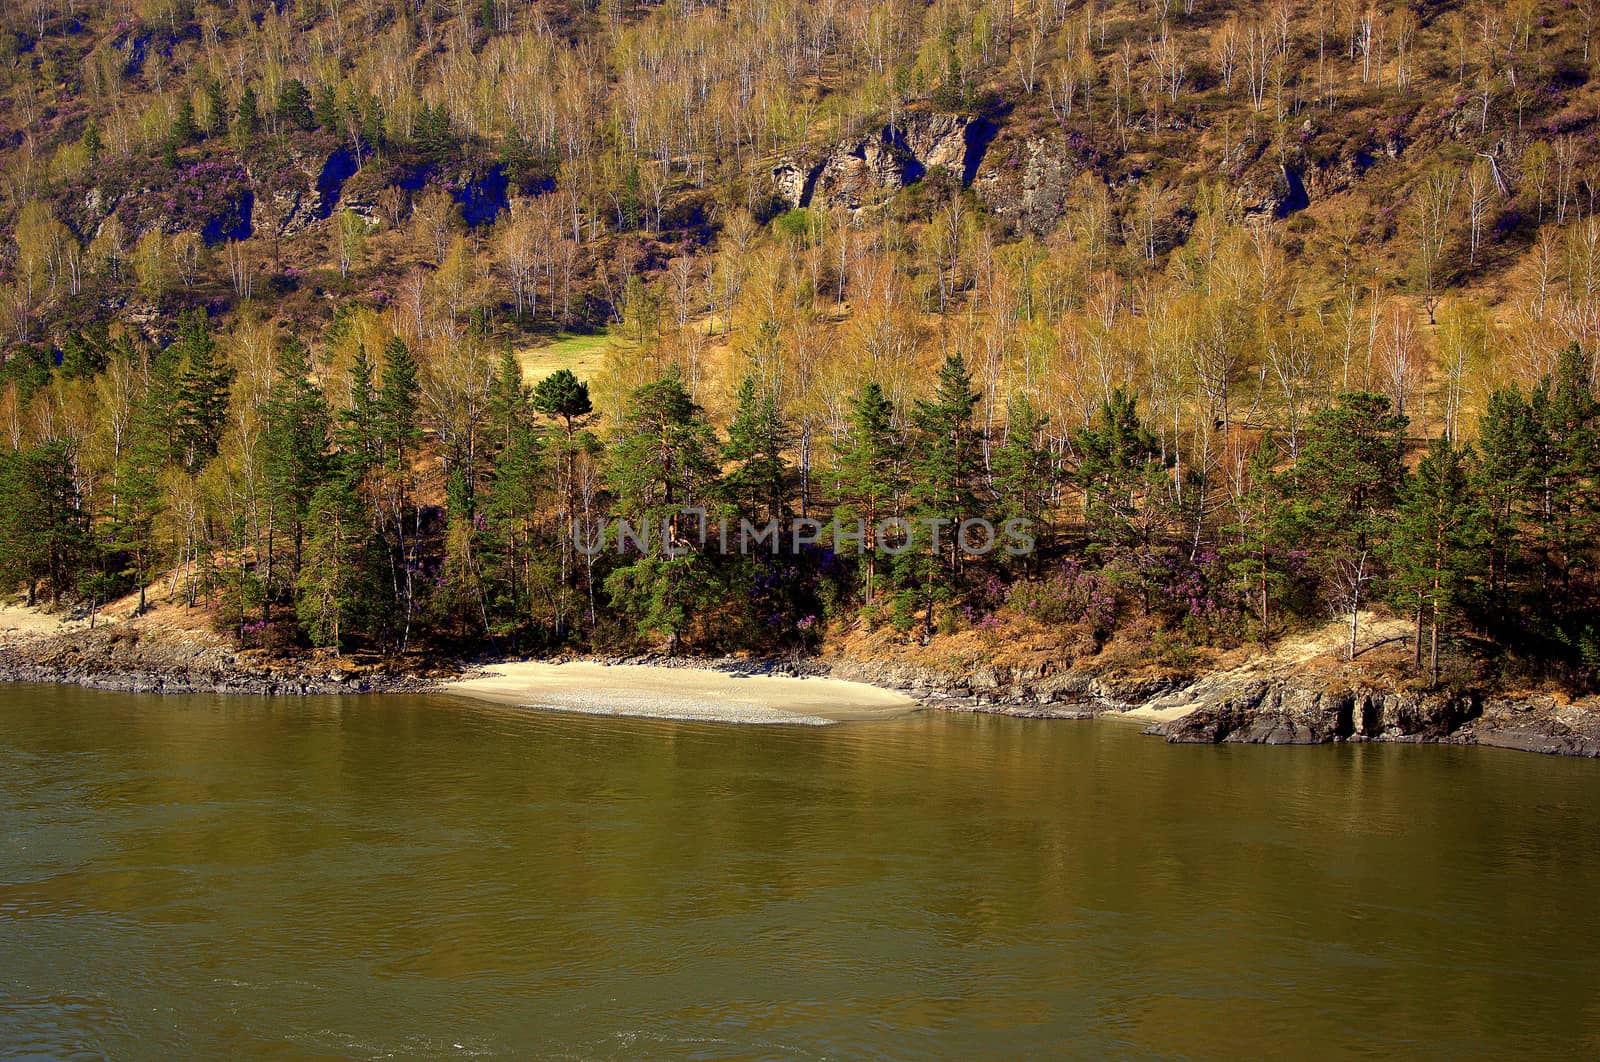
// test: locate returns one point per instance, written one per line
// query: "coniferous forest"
(347, 325)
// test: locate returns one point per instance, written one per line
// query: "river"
(399, 877)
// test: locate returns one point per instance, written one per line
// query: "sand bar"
(681, 693)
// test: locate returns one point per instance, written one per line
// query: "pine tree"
(294, 106)
(1436, 542)
(296, 445)
(399, 435)
(664, 462)
(757, 482)
(947, 464)
(870, 474)
(326, 113)
(1023, 472)
(563, 398)
(1346, 483)
(249, 117)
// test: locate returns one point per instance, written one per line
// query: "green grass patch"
(583, 354)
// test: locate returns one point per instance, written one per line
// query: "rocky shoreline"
(1241, 705)
(1259, 707)
(116, 659)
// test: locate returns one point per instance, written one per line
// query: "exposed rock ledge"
(1278, 710)
(1242, 706)
(113, 658)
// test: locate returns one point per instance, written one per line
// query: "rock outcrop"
(116, 658)
(1279, 710)
(857, 173)
(1028, 183)
(1283, 710)
(1264, 707)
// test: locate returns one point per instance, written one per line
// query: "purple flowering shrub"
(1198, 594)
(1071, 594)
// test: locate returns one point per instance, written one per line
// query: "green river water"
(424, 877)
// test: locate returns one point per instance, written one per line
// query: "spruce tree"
(1505, 477)
(293, 107)
(1261, 533)
(219, 108)
(398, 429)
(1121, 474)
(358, 436)
(44, 527)
(332, 587)
(509, 400)
(326, 113)
(204, 382)
(1564, 411)
(184, 129)
(1126, 487)
(92, 144)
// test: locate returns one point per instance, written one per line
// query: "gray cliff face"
(860, 172)
(1282, 711)
(1029, 185)
(1278, 711)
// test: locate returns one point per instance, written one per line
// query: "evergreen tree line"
(372, 515)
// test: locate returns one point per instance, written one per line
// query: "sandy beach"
(681, 693)
(1155, 713)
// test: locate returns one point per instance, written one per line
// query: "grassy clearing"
(583, 354)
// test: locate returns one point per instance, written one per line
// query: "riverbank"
(1300, 691)
(167, 651)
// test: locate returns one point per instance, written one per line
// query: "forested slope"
(1260, 313)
